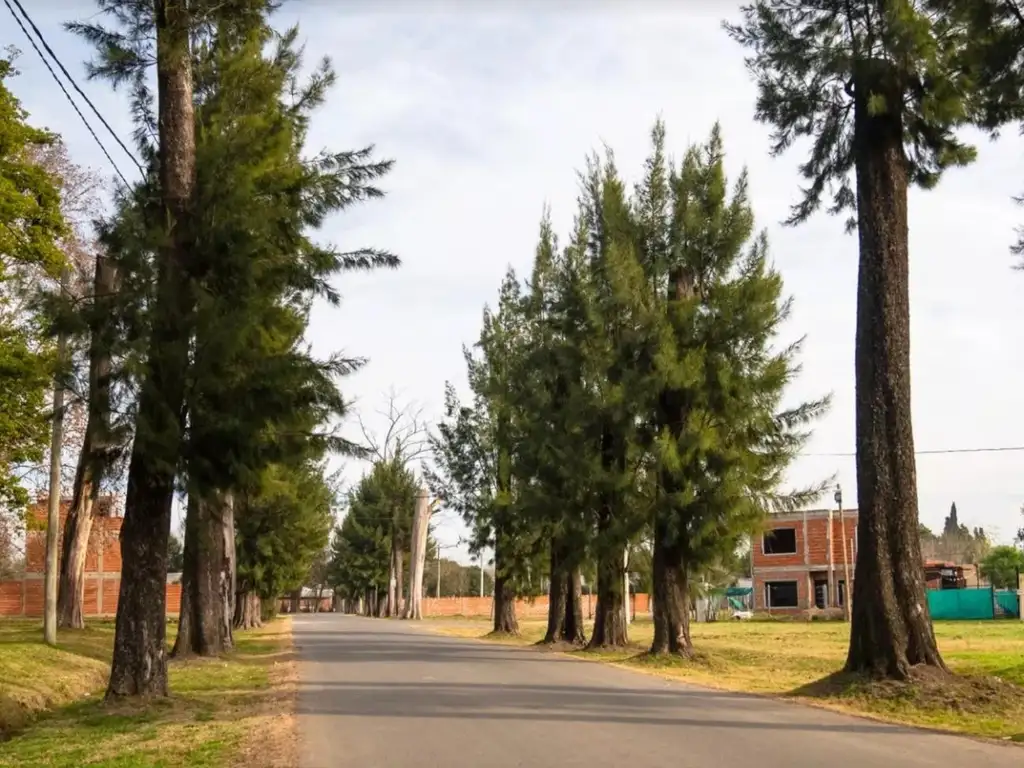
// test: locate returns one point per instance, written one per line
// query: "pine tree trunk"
(891, 629)
(505, 621)
(558, 598)
(248, 610)
(610, 616)
(93, 456)
(572, 628)
(204, 625)
(139, 666)
(671, 598)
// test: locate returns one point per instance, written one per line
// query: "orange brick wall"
(31, 587)
(525, 609)
(815, 544)
(817, 537)
(774, 561)
(802, 587)
(103, 537)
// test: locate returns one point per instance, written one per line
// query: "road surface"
(387, 694)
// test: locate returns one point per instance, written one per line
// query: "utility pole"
(481, 574)
(438, 571)
(53, 503)
(847, 589)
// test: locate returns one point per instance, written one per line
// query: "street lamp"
(847, 587)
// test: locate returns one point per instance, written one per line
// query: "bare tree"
(405, 440)
(406, 433)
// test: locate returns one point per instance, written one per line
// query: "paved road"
(379, 694)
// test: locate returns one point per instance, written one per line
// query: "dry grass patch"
(236, 708)
(799, 660)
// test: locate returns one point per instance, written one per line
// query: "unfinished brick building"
(798, 562)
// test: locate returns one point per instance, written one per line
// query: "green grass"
(799, 660)
(233, 710)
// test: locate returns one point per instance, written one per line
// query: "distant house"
(797, 562)
(939, 574)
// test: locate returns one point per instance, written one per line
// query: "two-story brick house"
(798, 562)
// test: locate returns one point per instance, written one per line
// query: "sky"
(489, 109)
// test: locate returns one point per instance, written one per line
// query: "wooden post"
(831, 566)
(848, 590)
(53, 503)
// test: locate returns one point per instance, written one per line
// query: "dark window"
(781, 594)
(779, 541)
(841, 590)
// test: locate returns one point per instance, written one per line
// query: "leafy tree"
(724, 439)
(477, 453)
(283, 520)
(879, 89)
(379, 518)
(1002, 565)
(175, 554)
(31, 227)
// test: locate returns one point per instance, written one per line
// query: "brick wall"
(103, 554)
(525, 609)
(811, 540)
(803, 589)
(24, 597)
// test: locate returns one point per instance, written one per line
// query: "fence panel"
(977, 603)
(1008, 603)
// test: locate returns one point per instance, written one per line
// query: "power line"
(74, 85)
(941, 451)
(67, 95)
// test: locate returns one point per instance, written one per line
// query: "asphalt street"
(389, 694)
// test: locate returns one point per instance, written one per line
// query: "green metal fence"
(978, 603)
(1008, 604)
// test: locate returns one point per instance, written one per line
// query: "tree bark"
(565, 599)
(891, 629)
(75, 548)
(505, 621)
(94, 455)
(557, 595)
(391, 603)
(418, 556)
(399, 583)
(610, 628)
(248, 610)
(671, 597)
(610, 615)
(573, 630)
(205, 618)
(139, 666)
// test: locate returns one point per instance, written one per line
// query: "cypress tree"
(723, 441)
(618, 358)
(878, 88)
(554, 450)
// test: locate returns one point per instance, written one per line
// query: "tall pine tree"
(879, 89)
(723, 439)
